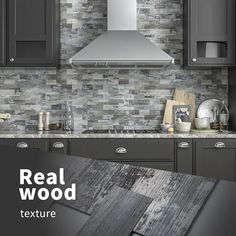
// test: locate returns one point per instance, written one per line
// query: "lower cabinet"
(32, 144)
(152, 153)
(216, 158)
(184, 156)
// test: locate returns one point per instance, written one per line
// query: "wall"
(108, 99)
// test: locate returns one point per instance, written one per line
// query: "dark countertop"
(122, 198)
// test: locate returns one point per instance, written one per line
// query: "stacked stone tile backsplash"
(108, 98)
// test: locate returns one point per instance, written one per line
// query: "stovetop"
(121, 131)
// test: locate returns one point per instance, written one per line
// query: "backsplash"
(108, 98)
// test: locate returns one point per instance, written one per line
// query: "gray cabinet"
(2, 31)
(33, 144)
(184, 156)
(153, 153)
(216, 158)
(31, 33)
(209, 28)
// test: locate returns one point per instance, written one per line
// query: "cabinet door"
(30, 33)
(184, 156)
(2, 31)
(216, 162)
(212, 32)
(32, 144)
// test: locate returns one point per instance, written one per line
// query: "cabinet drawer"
(123, 149)
(33, 144)
(58, 146)
(216, 143)
(184, 156)
(168, 166)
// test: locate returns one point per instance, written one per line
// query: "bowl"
(202, 123)
(165, 127)
(182, 127)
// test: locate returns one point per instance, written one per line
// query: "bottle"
(68, 118)
(223, 116)
(214, 123)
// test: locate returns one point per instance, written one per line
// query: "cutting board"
(168, 115)
(187, 98)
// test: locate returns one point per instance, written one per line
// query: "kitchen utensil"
(182, 127)
(40, 121)
(165, 127)
(206, 108)
(55, 126)
(168, 115)
(202, 123)
(186, 98)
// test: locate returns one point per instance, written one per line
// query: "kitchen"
(37, 74)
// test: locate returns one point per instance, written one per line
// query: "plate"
(206, 107)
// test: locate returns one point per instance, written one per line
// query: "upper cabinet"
(32, 37)
(209, 33)
(2, 31)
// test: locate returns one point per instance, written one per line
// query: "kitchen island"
(114, 198)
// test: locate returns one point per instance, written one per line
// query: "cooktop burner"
(121, 131)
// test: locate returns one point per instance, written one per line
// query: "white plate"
(206, 107)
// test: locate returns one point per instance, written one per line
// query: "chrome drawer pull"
(58, 145)
(22, 145)
(220, 145)
(183, 145)
(121, 150)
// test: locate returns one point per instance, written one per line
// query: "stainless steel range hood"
(122, 46)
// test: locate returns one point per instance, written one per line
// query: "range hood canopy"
(122, 46)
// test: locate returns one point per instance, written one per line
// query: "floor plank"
(177, 200)
(98, 180)
(116, 215)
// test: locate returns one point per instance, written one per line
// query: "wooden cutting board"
(187, 98)
(168, 115)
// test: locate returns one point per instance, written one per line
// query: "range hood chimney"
(122, 46)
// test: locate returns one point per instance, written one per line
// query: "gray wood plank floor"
(177, 197)
(117, 215)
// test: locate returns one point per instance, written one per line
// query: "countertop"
(117, 199)
(61, 134)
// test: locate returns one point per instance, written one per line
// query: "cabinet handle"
(194, 59)
(22, 145)
(183, 145)
(12, 59)
(58, 145)
(220, 145)
(121, 150)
